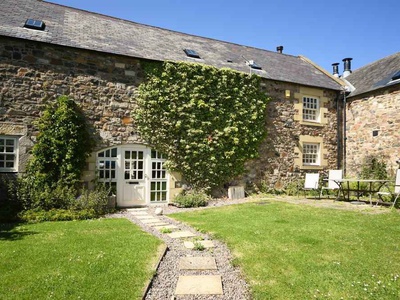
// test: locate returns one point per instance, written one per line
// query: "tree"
(207, 121)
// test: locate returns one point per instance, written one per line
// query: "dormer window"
(191, 53)
(34, 24)
(396, 75)
(252, 64)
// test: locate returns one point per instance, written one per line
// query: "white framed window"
(8, 154)
(311, 109)
(311, 154)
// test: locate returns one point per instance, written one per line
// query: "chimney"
(347, 67)
(279, 49)
(335, 70)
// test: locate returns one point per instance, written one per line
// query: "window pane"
(140, 154)
(153, 186)
(127, 154)
(10, 157)
(164, 196)
(134, 155)
(10, 142)
(164, 186)
(1, 142)
(1, 164)
(114, 152)
(100, 154)
(108, 153)
(152, 196)
(153, 153)
(140, 175)
(126, 175)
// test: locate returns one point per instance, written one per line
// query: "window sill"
(311, 167)
(317, 124)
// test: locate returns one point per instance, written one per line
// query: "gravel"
(166, 278)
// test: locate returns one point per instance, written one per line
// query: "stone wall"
(34, 74)
(276, 166)
(373, 128)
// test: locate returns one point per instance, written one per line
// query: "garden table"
(360, 187)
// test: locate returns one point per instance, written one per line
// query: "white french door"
(137, 172)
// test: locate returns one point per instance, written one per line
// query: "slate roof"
(82, 29)
(375, 75)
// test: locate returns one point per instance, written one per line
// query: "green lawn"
(289, 251)
(95, 259)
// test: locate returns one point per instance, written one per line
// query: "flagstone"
(199, 285)
(181, 234)
(158, 224)
(148, 221)
(166, 226)
(197, 263)
(206, 244)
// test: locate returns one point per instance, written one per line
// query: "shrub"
(373, 167)
(191, 199)
(40, 215)
(96, 200)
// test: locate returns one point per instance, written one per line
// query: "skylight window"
(34, 24)
(191, 53)
(252, 64)
(396, 75)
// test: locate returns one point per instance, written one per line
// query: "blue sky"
(324, 31)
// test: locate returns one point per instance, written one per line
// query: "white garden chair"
(311, 182)
(332, 184)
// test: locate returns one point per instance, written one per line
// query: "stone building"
(373, 114)
(48, 50)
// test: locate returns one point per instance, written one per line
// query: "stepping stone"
(181, 234)
(138, 213)
(199, 285)
(197, 263)
(166, 226)
(144, 217)
(206, 244)
(137, 209)
(158, 224)
(149, 221)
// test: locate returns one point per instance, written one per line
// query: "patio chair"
(332, 185)
(396, 189)
(311, 183)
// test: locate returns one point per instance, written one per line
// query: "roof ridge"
(165, 29)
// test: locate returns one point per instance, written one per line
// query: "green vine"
(208, 121)
(58, 157)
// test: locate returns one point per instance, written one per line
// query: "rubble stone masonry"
(373, 129)
(33, 74)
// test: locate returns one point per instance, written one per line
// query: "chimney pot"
(279, 49)
(347, 67)
(335, 69)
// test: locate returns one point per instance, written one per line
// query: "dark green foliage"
(40, 215)
(374, 167)
(58, 158)
(191, 199)
(63, 144)
(207, 121)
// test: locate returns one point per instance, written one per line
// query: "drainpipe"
(344, 131)
(338, 133)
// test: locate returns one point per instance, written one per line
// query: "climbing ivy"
(207, 121)
(58, 157)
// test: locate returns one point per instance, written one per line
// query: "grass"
(289, 251)
(96, 259)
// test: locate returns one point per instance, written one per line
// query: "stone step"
(161, 223)
(149, 221)
(197, 263)
(199, 285)
(206, 244)
(144, 209)
(181, 234)
(166, 226)
(143, 217)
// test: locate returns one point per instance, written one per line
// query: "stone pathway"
(185, 272)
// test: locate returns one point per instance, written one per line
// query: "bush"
(373, 167)
(191, 199)
(96, 200)
(40, 215)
